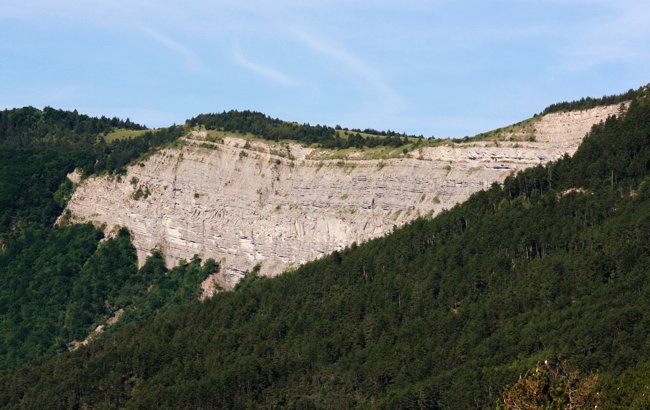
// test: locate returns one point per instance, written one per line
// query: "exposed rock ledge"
(245, 206)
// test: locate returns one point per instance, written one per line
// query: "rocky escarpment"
(248, 202)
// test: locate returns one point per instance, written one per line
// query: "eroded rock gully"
(247, 203)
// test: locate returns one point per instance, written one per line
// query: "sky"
(444, 68)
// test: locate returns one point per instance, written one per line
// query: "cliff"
(245, 202)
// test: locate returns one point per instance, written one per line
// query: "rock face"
(247, 202)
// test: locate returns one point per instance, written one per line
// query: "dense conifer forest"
(552, 265)
(59, 283)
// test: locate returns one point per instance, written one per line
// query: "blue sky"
(443, 68)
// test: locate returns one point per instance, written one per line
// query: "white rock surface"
(248, 206)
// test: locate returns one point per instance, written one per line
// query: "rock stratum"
(247, 202)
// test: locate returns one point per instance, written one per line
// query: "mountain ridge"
(205, 195)
(441, 313)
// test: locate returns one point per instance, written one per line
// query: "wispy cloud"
(267, 72)
(193, 61)
(354, 65)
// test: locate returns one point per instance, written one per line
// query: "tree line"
(275, 130)
(29, 127)
(586, 103)
(441, 313)
(59, 282)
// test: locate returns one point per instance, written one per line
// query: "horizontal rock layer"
(244, 203)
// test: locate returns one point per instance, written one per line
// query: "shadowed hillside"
(441, 313)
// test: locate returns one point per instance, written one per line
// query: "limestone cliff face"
(245, 203)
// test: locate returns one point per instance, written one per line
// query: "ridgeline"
(442, 313)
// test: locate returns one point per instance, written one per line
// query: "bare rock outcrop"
(247, 202)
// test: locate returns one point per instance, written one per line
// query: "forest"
(273, 129)
(79, 136)
(590, 102)
(60, 282)
(550, 266)
(30, 127)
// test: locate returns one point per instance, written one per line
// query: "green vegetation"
(521, 131)
(59, 283)
(80, 137)
(141, 193)
(36, 270)
(115, 156)
(29, 180)
(356, 154)
(121, 134)
(589, 102)
(29, 127)
(250, 122)
(525, 130)
(442, 313)
(39, 148)
(384, 144)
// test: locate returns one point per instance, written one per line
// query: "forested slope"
(59, 283)
(441, 313)
(590, 102)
